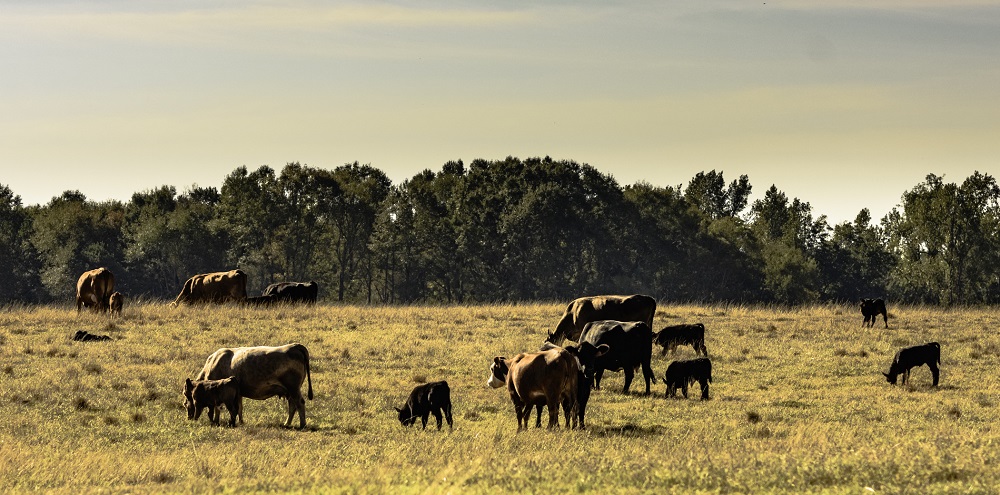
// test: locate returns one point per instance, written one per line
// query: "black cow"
(692, 334)
(630, 348)
(682, 373)
(871, 308)
(293, 292)
(424, 400)
(910, 357)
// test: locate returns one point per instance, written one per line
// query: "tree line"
(508, 230)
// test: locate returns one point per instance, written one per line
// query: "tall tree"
(19, 263)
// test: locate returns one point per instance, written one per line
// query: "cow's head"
(586, 356)
(406, 417)
(890, 377)
(189, 399)
(498, 372)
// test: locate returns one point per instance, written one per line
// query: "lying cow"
(911, 357)
(424, 400)
(545, 377)
(212, 394)
(264, 372)
(116, 301)
(94, 288)
(682, 373)
(870, 309)
(293, 292)
(692, 334)
(584, 310)
(218, 287)
(85, 336)
(259, 301)
(630, 348)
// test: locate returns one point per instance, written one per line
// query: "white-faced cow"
(94, 288)
(293, 292)
(629, 345)
(217, 287)
(264, 372)
(692, 334)
(545, 377)
(212, 394)
(682, 373)
(911, 357)
(584, 310)
(424, 400)
(870, 309)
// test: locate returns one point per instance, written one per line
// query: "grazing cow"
(264, 372)
(911, 357)
(682, 373)
(548, 377)
(94, 288)
(215, 287)
(212, 394)
(870, 309)
(425, 399)
(690, 334)
(116, 301)
(587, 309)
(293, 292)
(630, 347)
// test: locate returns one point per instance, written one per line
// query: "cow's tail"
(938, 348)
(305, 354)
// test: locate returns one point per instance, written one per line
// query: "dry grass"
(799, 405)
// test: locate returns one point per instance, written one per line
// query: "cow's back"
(630, 342)
(267, 371)
(533, 376)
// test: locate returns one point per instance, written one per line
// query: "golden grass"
(799, 405)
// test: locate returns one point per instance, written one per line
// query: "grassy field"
(799, 405)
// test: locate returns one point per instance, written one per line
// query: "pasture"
(798, 405)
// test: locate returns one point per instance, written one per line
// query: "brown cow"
(116, 301)
(546, 377)
(218, 287)
(263, 372)
(94, 288)
(584, 310)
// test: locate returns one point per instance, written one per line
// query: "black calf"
(870, 309)
(424, 400)
(681, 373)
(911, 357)
(692, 334)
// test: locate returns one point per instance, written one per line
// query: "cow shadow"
(627, 430)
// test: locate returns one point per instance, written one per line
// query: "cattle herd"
(612, 333)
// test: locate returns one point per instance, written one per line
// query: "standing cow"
(584, 310)
(911, 357)
(264, 372)
(116, 301)
(870, 309)
(94, 288)
(692, 334)
(546, 377)
(630, 348)
(217, 287)
(682, 373)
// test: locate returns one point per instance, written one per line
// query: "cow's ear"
(499, 360)
(187, 384)
(397, 409)
(602, 350)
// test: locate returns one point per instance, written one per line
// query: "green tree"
(19, 263)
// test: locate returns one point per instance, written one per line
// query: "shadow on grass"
(626, 430)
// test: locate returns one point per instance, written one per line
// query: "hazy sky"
(845, 104)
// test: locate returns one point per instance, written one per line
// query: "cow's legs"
(553, 406)
(704, 389)
(906, 376)
(629, 375)
(447, 415)
(424, 417)
(519, 411)
(647, 373)
(437, 416)
(597, 378)
(885, 319)
(538, 420)
(684, 389)
(935, 372)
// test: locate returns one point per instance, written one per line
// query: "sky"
(845, 104)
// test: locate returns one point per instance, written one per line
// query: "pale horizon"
(845, 105)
